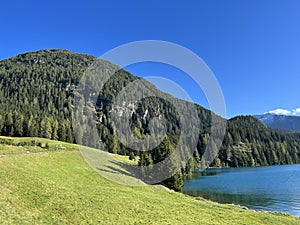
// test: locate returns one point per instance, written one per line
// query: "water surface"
(271, 188)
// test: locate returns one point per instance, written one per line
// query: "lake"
(270, 188)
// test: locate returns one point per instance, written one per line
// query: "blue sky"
(252, 46)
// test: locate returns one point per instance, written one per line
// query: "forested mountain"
(285, 123)
(248, 142)
(35, 93)
(38, 89)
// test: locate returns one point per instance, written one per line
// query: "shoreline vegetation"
(58, 187)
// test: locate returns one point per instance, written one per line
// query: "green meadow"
(53, 184)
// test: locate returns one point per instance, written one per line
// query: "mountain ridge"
(282, 122)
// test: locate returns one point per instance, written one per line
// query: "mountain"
(282, 122)
(39, 92)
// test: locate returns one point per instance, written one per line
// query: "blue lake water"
(270, 188)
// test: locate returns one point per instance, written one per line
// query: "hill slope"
(58, 187)
(37, 93)
(248, 142)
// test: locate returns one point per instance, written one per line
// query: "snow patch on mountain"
(284, 112)
(281, 119)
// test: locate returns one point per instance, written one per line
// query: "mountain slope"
(288, 123)
(248, 142)
(34, 100)
(38, 90)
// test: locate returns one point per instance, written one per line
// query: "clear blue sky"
(252, 46)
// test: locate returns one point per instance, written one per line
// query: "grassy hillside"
(58, 187)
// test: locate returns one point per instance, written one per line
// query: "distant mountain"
(287, 123)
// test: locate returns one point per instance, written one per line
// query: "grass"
(59, 187)
(21, 145)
